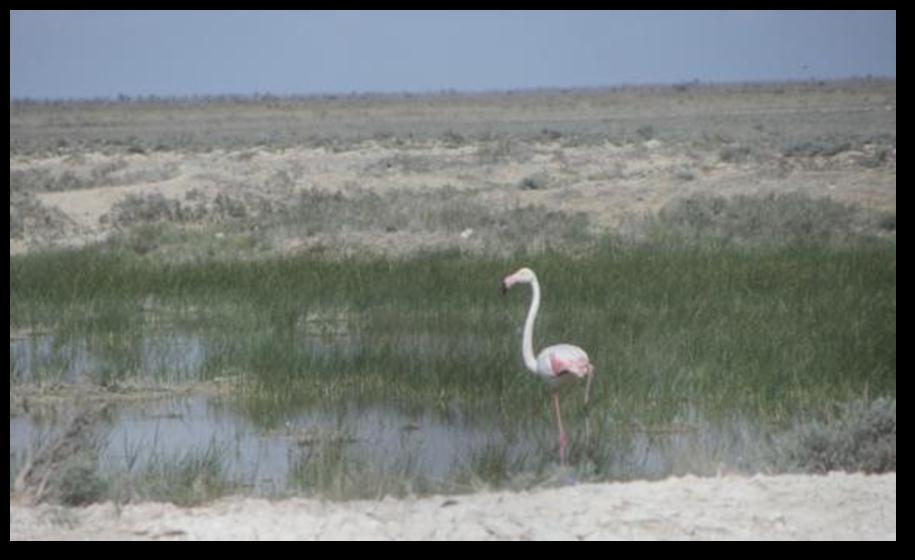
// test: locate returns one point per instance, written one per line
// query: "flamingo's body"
(557, 364)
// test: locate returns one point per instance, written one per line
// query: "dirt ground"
(834, 507)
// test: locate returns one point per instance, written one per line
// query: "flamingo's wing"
(563, 359)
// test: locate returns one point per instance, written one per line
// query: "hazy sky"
(90, 54)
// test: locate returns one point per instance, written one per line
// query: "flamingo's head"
(521, 276)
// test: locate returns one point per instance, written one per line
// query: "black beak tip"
(503, 287)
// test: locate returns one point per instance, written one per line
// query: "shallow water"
(384, 439)
(73, 359)
(381, 442)
(290, 446)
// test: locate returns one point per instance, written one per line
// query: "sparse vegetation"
(772, 219)
(814, 148)
(734, 154)
(190, 478)
(536, 182)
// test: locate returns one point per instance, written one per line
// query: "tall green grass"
(769, 329)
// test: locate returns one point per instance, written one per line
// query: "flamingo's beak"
(507, 283)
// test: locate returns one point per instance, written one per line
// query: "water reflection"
(384, 441)
(72, 359)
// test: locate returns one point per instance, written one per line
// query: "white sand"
(837, 506)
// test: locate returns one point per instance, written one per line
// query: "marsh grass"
(672, 325)
(330, 468)
(187, 478)
(683, 337)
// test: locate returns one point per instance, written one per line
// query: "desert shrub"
(154, 207)
(498, 150)
(30, 218)
(65, 469)
(402, 163)
(860, 437)
(646, 132)
(535, 182)
(445, 211)
(79, 484)
(42, 180)
(453, 139)
(887, 221)
(773, 218)
(814, 148)
(145, 208)
(734, 154)
(229, 206)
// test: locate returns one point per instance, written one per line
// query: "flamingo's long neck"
(527, 340)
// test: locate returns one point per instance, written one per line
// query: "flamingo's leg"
(588, 410)
(562, 432)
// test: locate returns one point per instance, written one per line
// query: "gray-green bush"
(859, 435)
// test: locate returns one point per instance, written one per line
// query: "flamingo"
(555, 365)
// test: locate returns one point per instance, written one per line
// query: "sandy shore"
(837, 506)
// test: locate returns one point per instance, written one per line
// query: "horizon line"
(678, 85)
